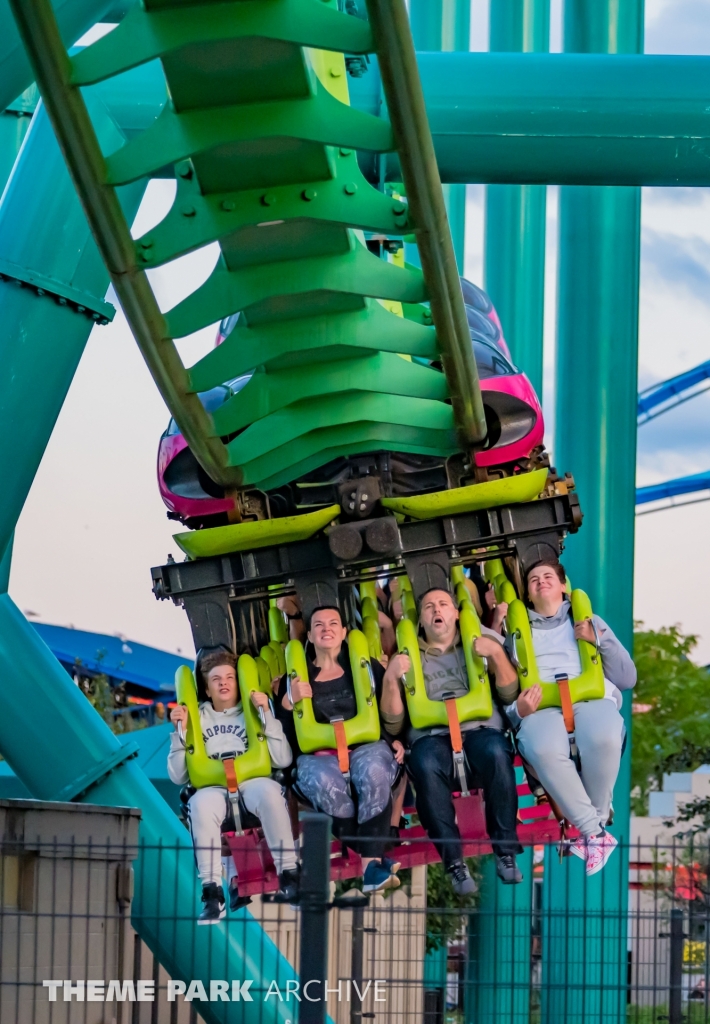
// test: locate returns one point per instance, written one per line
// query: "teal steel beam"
(445, 26)
(51, 296)
(568, 119)
(585, 920)
(514, 257)
(574, 119)
(74, 17)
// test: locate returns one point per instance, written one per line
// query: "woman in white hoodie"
(224, 730)
(584, 797)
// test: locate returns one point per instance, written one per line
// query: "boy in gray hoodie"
(224, 730)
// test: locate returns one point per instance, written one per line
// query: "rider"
(584, 798)
(365, 811)
(223, 730)
(488, 750)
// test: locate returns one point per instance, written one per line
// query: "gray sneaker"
(461, 879)
(508, 870)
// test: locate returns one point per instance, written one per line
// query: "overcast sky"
(98, 473)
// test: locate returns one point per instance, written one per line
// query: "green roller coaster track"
(263, 141)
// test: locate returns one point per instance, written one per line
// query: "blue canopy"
(119, 659)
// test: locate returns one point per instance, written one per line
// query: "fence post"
(356, 963)
(315, 880)
(676, 967)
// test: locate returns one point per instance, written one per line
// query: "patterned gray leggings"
(373, 771)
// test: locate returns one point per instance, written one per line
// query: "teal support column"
(515, 214)
(445, 25)
(50, 267)
(515, 279)
(5, 564)
(74, 18)
(498, 978)
(584, 920)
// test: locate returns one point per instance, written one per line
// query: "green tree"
(671, 721)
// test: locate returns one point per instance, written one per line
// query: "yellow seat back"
(477, 704)
(364, 727)
(203, 769)
(371, 618)
(587, 686)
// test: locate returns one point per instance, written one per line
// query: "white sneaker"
(578, 847)
(599, 850)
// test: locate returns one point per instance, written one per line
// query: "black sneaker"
(508, 870)
(235, 900)
(461, 879)
(213, 899)
(288, 887)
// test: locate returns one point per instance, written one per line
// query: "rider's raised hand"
(399, 665)
(300, 690)
(529, 700)
(583, 631)
(178, 715)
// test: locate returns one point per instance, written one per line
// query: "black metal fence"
(631, 944)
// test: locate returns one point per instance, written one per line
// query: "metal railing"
(508, 955)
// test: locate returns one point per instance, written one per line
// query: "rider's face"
(544, 585)
(222, 687)
(327, 631)
(438, 615)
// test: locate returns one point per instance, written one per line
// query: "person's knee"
(603, 749)
(263, 796)
(424, 760)
(498, 755)
(207, 807)
(539, 743)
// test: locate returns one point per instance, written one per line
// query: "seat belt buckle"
(460, 770)
(227, 758)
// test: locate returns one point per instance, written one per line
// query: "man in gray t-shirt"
(487, 749)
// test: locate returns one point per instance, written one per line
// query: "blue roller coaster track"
(653, 402)
(663, 397)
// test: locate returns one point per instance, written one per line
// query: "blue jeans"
(489, 757)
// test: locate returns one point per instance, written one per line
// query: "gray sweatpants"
(207, 809)
(544, 744)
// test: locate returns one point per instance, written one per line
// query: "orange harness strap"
(456, 743)
(566, 701)
(231, 774)
(341, 745)
(454, 726)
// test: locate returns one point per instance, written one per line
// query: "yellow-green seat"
(587, 686)
(204, 770)
(370, 613)
(364, 727)
(477, 704)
